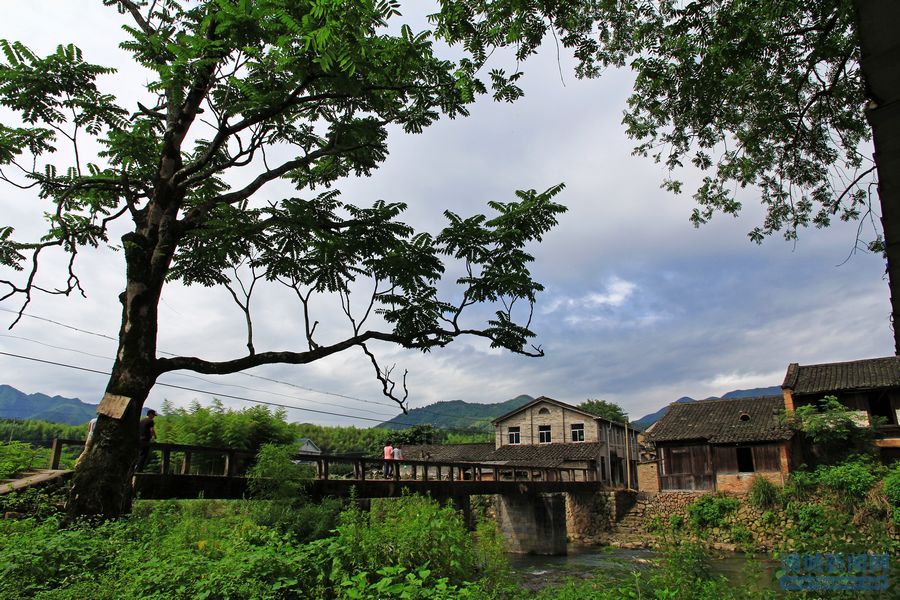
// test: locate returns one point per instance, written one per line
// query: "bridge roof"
(547, 455)
(449, 452)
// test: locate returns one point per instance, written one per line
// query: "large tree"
(604, 408)
(298, 91)
(771, 99)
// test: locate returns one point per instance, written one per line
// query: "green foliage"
(808, 517)
(741, 535)
(892, 492)
(417, 434)
(209, 549)
(851, 479)
(469, 438)
(343, 440)
(605, 409)
(39, 433)
(278, 488)
(676, 522)
(708, 92)
(800, 485)
(710, 510)
(833, 426)
(16, 457)
(401, 583)
(217, 426)
(763, 493)
(768, 518)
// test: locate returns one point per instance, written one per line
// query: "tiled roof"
(546, 455)
(449, 452)
(723, 421)
(543, 455)
(867, 374)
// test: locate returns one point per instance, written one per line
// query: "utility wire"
(287, 383)
(176, 374)
(232, 397)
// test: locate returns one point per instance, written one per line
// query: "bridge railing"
(428, 470)
(226, 460)
(360, 468)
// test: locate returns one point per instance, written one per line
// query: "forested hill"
(56, 409)
(456, 414)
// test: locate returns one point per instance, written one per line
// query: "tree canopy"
(605, 409)
(239, 95)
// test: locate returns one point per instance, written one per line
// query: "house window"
(745, 460)
(513, 435)
(577, 432)
(544, 434)
(544, 411)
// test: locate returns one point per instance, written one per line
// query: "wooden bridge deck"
(35, 478)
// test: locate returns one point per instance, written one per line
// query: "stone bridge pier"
(533, 523)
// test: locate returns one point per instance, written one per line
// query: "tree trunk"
(102, 483)
(880, 61)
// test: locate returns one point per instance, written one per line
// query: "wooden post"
(415, 474)
(327, 468)
(396, 470)
(425, 472)
(166, 459)
(362, 469)
(186, 465)
(496, 474)
(55, 454)
(229, 462)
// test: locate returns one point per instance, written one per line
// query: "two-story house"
(549, 430)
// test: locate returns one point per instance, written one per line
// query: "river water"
(536, 572)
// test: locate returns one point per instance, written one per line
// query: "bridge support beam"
(533, 523)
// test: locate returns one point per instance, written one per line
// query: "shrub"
(711, 510)
(768, 518)
(763, 493)
(676, 522)
(16, 457)
(741, 535)
(808, 517)
(892, 486)
(851, 479)
(800, 486)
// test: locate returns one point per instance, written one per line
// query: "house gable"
(545, 421)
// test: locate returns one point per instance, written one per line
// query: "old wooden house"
(721, 444)
(871, 387)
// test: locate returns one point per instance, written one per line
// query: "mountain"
(19, 405)
(648, 420)
(456, 414)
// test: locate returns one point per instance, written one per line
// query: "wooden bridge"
(189, 471)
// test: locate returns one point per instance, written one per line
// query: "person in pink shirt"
(388, 457)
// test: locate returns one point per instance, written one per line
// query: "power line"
(214, 395)
(287, 383)
(176, 374)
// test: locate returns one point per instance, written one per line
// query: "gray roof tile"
(866, 374)
(721, 422)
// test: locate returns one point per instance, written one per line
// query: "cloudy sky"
(640, 307)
